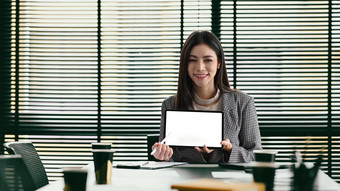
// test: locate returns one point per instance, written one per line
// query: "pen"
(155, 149)
(298, 157)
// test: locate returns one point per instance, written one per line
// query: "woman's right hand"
(163, 153)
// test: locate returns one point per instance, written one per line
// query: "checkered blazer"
(240, 126)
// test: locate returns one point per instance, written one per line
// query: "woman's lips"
(201, 76)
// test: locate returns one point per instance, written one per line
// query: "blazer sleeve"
(249, 135)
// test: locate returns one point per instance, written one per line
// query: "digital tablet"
(193, 128)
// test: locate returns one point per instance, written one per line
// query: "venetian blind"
(284, 55)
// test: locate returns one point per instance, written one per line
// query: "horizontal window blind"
(139, 63)
(282, 57)
(57, 67)
(334, 80)
(82, 73)
(282, 60)
(55, 91)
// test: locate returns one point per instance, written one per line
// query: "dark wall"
(5, 64)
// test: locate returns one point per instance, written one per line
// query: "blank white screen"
(193, 128)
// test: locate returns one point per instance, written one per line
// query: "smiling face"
(202, 68)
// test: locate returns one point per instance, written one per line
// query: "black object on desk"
(247, 166)
(132, 166)
(303, 176)
(234, 166)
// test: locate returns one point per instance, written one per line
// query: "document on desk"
(145, 164)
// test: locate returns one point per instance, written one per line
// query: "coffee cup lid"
(101, 143)
(73, 169)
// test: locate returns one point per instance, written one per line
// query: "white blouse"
(213, 104)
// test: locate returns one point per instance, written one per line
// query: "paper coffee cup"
(102, 159)
(264, 155)
(75, 178)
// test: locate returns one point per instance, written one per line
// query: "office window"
(82, 72)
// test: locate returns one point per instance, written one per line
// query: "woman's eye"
(208, 60)
(192, 60)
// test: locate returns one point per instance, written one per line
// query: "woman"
(203, 85)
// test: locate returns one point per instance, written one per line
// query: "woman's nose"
(200, 65)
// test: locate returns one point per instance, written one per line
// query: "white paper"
(238, 175)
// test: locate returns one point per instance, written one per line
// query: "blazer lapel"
(228, 102)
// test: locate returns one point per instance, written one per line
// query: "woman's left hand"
(204, 150)
(227, 146)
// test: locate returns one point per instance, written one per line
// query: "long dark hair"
(185, 92)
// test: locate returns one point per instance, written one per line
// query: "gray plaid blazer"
(240, 126)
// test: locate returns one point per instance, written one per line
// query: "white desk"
(162, 179)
